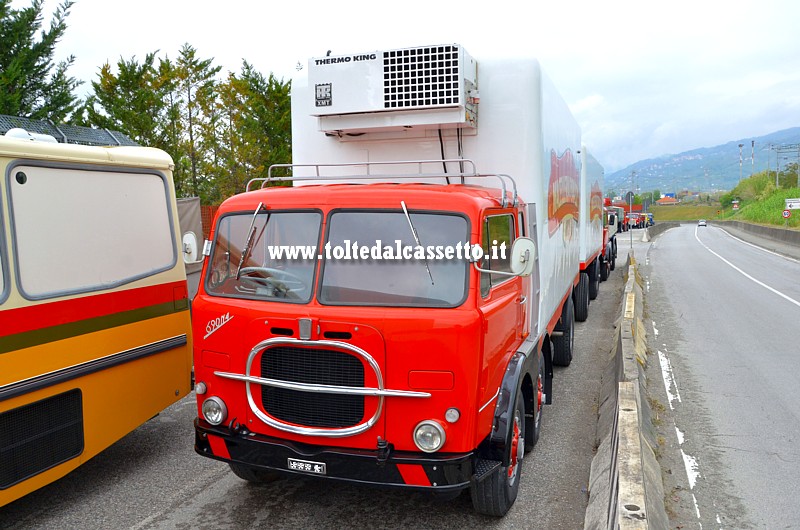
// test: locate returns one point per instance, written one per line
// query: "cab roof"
(418, 196)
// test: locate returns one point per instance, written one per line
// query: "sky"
(643, 78)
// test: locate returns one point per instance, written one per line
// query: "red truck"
(393, 317)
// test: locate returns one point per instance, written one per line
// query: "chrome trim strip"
(324, 389)
(95, 365)
(488, 402)
(249, 379)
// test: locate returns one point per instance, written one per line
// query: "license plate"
(315, 468)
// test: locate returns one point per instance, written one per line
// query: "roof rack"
(420, 174)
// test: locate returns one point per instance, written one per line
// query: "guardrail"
(625, 483)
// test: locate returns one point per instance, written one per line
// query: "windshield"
(372, 258)
(251, 256)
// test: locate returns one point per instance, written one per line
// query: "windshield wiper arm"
(251, 232)
(416, 238)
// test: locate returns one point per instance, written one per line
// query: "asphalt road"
(152, 478)
(723, 318)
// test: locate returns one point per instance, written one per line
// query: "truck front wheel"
(496, 493)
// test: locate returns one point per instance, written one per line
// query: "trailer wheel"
(614, 256)
(251, 474)
(582, 298)
(496, 493)
(594, 278)
(605, 264)
(562, 343)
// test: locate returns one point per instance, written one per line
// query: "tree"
(32, 85)
(134, 101)
(256, 115)
(196, 79)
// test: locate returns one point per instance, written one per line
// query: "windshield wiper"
(251, 232)
(416, 238)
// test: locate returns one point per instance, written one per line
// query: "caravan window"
(77, 230)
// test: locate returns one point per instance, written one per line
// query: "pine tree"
(31, 83)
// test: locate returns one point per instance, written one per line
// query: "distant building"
(667, 201)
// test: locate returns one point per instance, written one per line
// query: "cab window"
(498, 234)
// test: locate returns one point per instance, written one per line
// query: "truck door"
(500, 295)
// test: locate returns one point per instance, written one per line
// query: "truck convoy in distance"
(394, 317)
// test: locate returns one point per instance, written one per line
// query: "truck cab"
(384, 351)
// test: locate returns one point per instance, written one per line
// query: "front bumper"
(417, 471)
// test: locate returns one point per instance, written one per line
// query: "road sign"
(787, 214)
(793, 204)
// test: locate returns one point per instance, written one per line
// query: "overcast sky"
(643, 78)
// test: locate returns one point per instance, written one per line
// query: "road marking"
(737, 269)
(669, 379)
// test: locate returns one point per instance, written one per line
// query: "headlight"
(214, 410)
(429, 436)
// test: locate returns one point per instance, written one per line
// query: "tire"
(594, 278)
(496, 493)
(613, 263)
(562, 345)
(582, 298)
(252, 474)
(533, 425)
(604, 267)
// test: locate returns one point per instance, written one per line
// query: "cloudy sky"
(643, 78)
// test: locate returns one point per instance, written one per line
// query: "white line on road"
(737, 269)
(669, 379)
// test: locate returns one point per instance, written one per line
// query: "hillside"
(704, 169)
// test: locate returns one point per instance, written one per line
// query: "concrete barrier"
(782, 235)
(625, 484)
(653, 231)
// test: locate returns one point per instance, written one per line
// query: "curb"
(625, 483)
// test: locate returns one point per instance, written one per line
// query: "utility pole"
(752, 157)
(769, 154)
(740, 161)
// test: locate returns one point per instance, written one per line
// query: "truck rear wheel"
(563, 342)
(496, 493)
(251, 474)
(594, 278)
(582, 298)
(533, 424)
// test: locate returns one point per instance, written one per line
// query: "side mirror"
(191, 250)
(523, 254)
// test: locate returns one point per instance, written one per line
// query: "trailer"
(591, 233)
